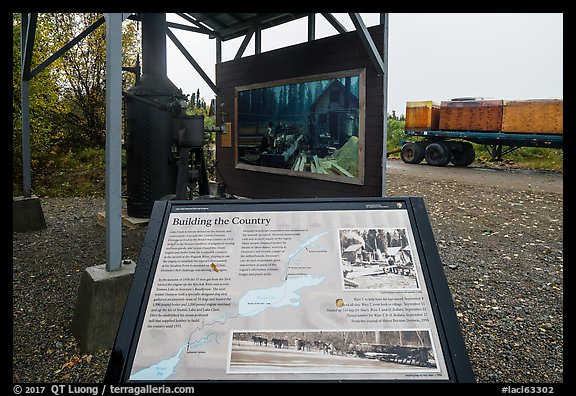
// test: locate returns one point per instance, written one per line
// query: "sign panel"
(289, 290)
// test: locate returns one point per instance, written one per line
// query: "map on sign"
(288, 295)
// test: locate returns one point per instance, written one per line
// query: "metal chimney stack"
(151, 171)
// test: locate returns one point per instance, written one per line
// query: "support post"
(27, 212)
(334, 22)
(26, 44)
(244, 44)
(192, 61)
(384, 21)
(26, 172)
(311, 27)
(218, 49)
(104, 288)
(113, 141)
(257, 39)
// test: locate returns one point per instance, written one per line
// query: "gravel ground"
(501, 247)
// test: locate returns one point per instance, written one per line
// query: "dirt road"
(519, 179)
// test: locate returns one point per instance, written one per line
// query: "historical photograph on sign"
(312, 127)
(331, 351)
(376, 258)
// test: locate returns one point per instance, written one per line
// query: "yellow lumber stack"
(533, 116)
(422, 115)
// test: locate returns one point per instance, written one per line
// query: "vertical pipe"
(384, 21)
(26, 172)
(218, 49)
(311, 27)
(113, 141)
(154, 43)
(25, 103)
(257, 39)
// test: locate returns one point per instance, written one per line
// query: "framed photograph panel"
(312, 126)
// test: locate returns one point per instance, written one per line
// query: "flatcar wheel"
(437, 154)
(412, 153)
(463, 154)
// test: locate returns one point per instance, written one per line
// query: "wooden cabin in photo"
(334, 115)
(353, 253)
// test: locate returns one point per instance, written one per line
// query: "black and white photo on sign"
(377, 258)
(314, 351)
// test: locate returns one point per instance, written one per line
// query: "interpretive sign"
(307, 290)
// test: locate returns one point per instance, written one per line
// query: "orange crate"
(533, 116)
(471, 115)
(422, 115)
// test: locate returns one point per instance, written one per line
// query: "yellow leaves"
(73, 361)
(70, 363)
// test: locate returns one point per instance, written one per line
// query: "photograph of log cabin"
(305, 126)
(377, 258)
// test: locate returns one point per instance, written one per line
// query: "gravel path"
(501, 246)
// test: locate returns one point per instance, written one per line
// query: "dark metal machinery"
(150, 173)
(164, 146)
(189, 138)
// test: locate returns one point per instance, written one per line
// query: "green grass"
(82, 173)
(526, 158)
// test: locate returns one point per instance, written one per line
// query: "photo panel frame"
(311, 126)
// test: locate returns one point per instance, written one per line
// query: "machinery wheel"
(412, 153)
(463, 154)
(437, 154)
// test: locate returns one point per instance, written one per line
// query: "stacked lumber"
(422, 115)
(534, 116)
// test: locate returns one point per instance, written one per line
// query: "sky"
(431, 56)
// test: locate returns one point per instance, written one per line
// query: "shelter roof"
(232, 25)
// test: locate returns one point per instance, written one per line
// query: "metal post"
(311, 27)
(113, 141)
(381, 66)
(26, 172)
(245, 42)
(257, 39)
(218, 49)
(384, 21)
(25, 96)
(334, 22)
